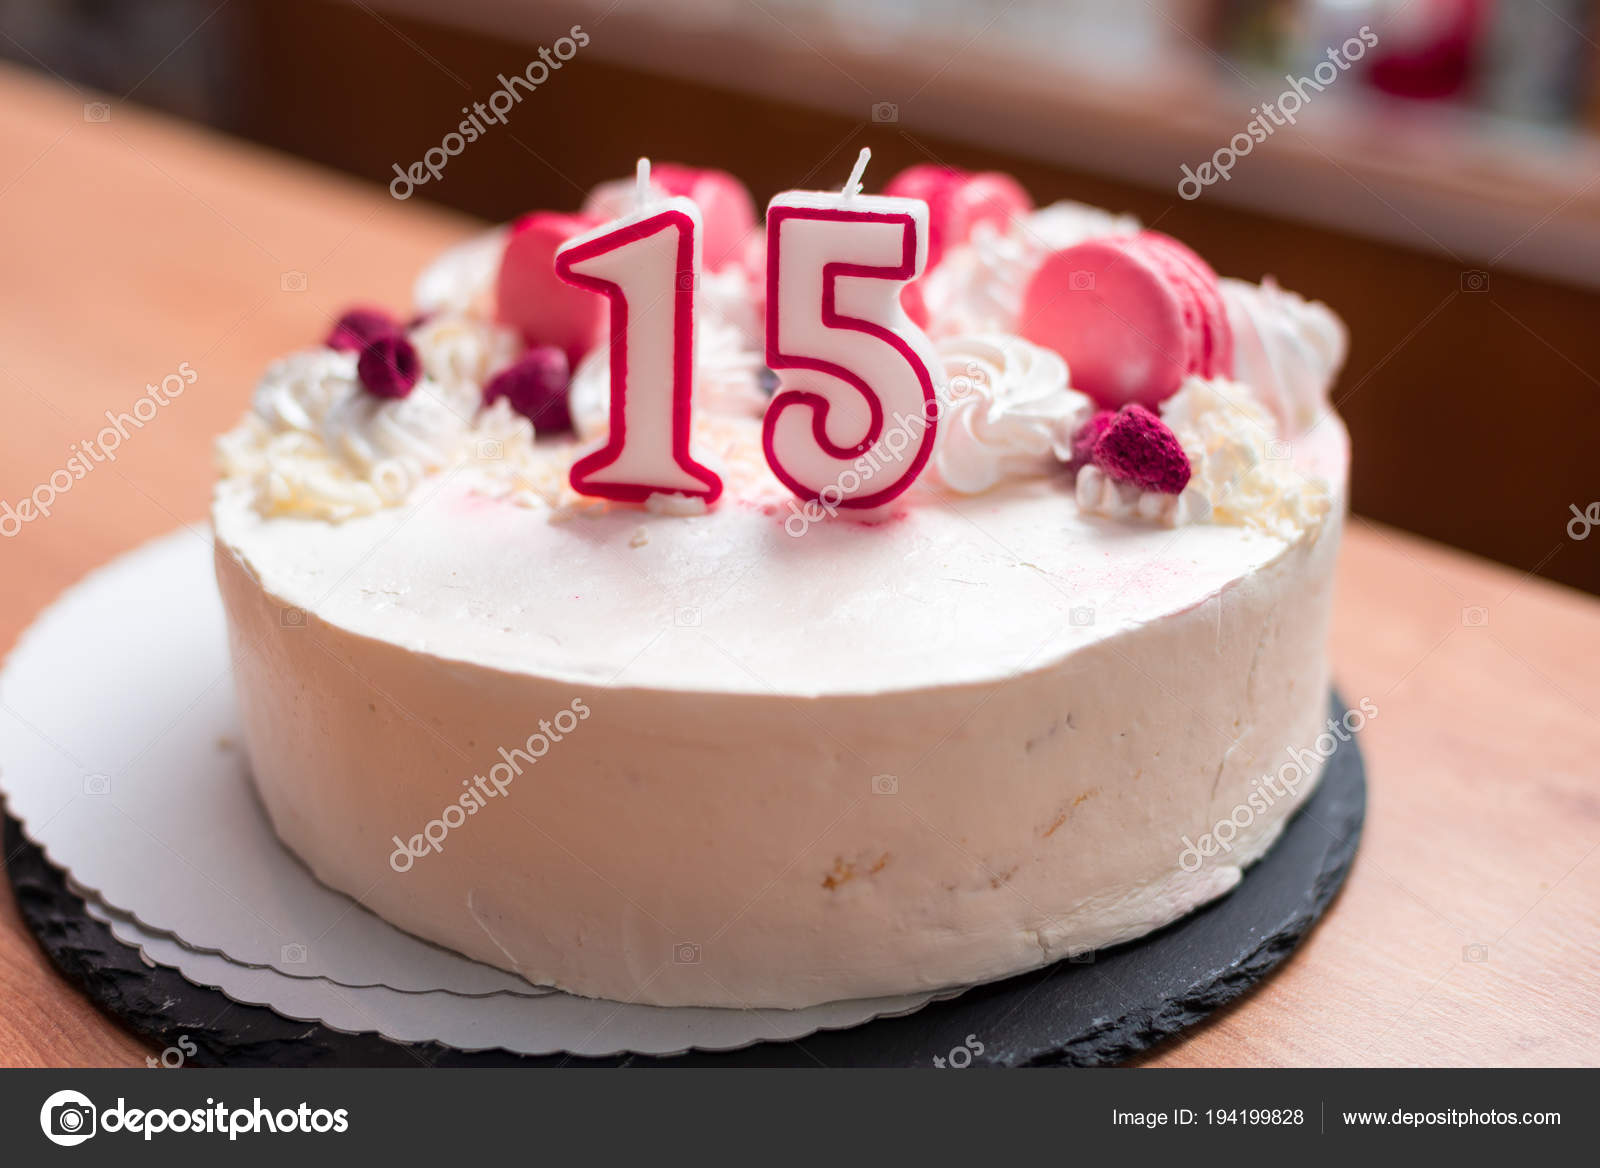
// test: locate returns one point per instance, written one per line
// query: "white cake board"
(550, 1023)
(120, 757)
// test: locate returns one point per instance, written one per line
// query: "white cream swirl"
(1286, 349)
(1007, 412)
(461, 277)
(317, 444)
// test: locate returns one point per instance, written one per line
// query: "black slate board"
(1092, 1012)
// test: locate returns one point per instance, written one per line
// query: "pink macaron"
(958, 201)
(726, 208)
(533, 300)
(727, 212)
(1133, 316)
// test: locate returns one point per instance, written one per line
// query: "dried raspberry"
(389, 366)
(1138, 447)
(536, 386)
(359, 327)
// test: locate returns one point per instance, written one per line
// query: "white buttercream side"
(748, 692)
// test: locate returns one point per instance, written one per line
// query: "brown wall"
(1474, 413)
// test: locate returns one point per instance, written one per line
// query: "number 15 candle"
(647, 264)
(853, 421)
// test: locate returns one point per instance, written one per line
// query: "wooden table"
(1469, 932)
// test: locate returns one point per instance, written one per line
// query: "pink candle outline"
(905, 271)
(685, 281)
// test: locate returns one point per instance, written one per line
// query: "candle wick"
(852, 186)
(642, 177)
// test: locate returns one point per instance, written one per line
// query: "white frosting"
(462, 276)
(835, 763)
(978, 286)
(992, 657)
(1287, 349)
(1007, 412)
(1100, 494)
(1241, 472)
(316, 444)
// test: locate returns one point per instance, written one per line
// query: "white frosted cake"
(747, 754)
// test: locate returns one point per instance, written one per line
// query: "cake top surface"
(412, 481)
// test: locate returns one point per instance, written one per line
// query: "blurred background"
(1442, 192)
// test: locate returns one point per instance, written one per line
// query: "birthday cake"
(550, 648)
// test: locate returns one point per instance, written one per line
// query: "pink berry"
(958, 201)
(536, 387)
(358, 327)
(389, 366)
(1138, 447)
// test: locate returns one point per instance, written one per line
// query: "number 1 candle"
(853, 421)
(647, 264)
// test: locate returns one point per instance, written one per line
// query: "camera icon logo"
(1081, 617)
(1080, 281)
(885, 112)
(688, 281)
(292, 618)
(1475, 954)
(67, 1118)
(293, 282)
(491, 450)
(1475, 616)
(1474, 280)
(293, 953)
(96, 111)
(686, 953)
(885, 785)
(97, 784)
(687, 617)
(1278, 450)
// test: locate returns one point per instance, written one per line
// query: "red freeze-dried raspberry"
(389, 366)
(1088, 434)
(1138, 447)
(536, 386)
(358, 327)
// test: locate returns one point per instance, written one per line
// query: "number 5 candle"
(647, 264)
(853, 421)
